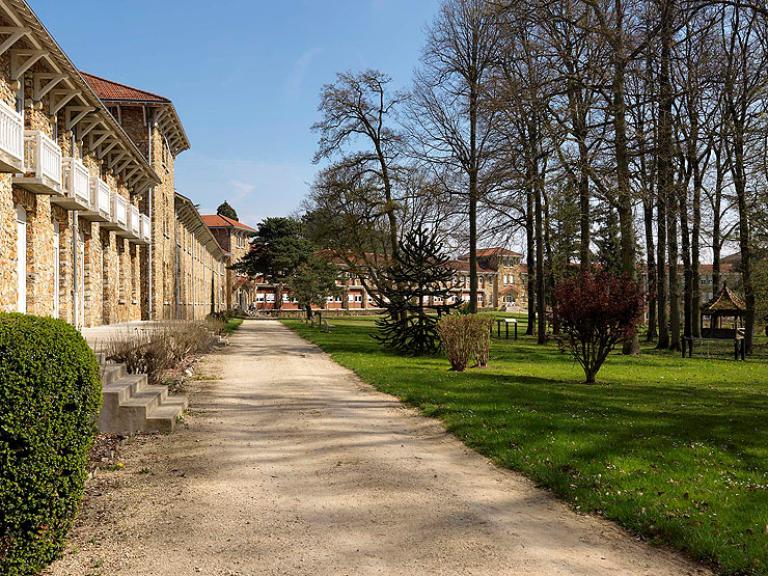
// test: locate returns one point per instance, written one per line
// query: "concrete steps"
(131, 404)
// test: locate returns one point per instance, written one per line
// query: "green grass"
(231, 325)
(673, 449)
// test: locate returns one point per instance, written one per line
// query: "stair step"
(163, 418)
(112, 372)
(131, 404)
(125, 387)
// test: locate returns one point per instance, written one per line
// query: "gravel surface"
(288, 464)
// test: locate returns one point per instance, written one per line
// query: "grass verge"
(673, 449)
(231, 325)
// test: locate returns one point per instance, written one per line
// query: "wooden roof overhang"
(54, 75)
(188, 215)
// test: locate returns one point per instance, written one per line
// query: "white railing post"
(11, 132)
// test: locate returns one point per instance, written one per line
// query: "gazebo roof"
(725, 303)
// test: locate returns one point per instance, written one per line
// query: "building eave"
(21, 14)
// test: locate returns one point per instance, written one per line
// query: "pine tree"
(423, 281)
(225, 209)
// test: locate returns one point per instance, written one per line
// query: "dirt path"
(289, 465)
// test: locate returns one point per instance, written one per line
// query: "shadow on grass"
(674, 449)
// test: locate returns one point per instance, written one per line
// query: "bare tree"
(451, 121)
(357, 124)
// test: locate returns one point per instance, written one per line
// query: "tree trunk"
(665, 170)
(651, 271)
(688, 311)
(740, 186)
(717, 220)
(661, 268)
(530, 261)
(696, 251)
(540, 283)
(624, 204)
(674, 276)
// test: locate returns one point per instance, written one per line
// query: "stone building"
(509, 288)
(72, 185)
(352, 294)
(90, 222)
(184, 273)
(234, 238)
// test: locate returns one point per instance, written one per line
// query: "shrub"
(596, 311)
(50, 394)
(155, 351)
(481, 326)
(466, 337)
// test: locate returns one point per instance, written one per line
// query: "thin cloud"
(295, 80)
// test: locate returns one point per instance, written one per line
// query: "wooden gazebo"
(726, 304)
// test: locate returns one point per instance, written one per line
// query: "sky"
(245, 77)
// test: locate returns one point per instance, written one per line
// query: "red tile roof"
(109, 90)
(497, 251)
(219, 221)
(490, 252)
(463, 266)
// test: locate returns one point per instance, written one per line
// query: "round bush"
(50, 394)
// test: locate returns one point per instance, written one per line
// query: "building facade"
(353, 295)
(72, 229)
(184, 273)
(234, 238)
(509, 288)
(90, 224)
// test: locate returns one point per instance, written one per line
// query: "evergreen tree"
(423, 281)
(278, 250)
(225, 209)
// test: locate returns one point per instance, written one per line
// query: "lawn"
(673, 449)
(231, 325)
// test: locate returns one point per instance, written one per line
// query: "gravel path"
(289, 465)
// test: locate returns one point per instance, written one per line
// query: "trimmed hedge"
(50, 395)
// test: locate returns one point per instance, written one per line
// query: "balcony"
(101, 202)
(133, 232)
(119, 220)
(146, 229)
(76, 186)
(11, 140)
(42, 174)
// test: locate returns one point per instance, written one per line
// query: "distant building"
(234, 238)
(510, 281)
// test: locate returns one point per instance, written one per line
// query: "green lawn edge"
(231, 325)
(673, 450)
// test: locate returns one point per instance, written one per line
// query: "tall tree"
(744, 32)
(358, 129)
(451, 120)
(278, 250)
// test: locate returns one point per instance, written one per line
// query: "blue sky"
(245, 76)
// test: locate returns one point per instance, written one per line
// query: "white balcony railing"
(77, 182)
(101, 198)
(11, 138)
(43, 159)
(119, 210)
(146, 228)
(135, 221)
